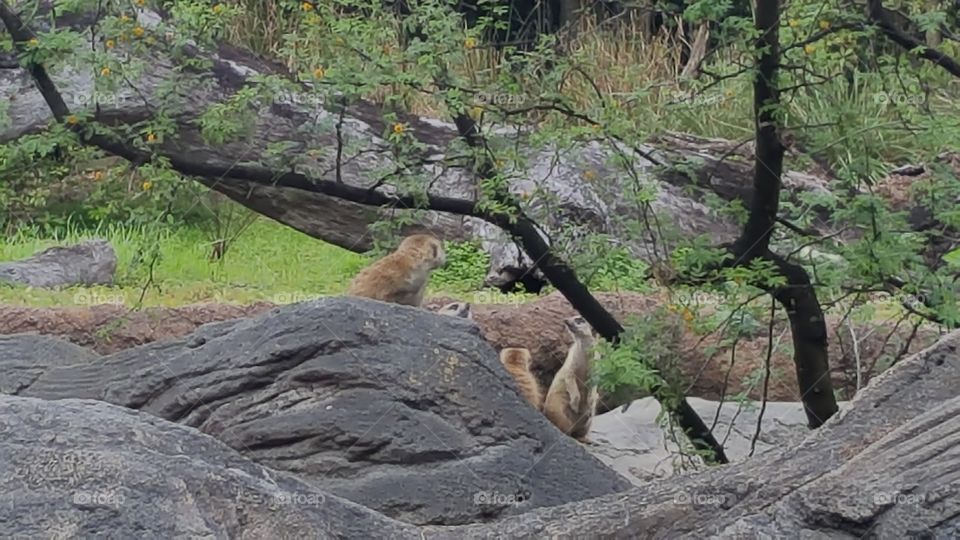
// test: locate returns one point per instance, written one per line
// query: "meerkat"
(457, 309)
(571, 401)
(517, 362)
(401, 276)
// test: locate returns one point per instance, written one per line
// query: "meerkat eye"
(436, 251)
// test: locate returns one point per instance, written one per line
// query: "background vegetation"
(853, 107)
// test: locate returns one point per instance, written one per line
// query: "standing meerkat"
(517, 362)
(571, 400)
(401, 276)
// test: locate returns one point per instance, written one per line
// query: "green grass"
(268, 262)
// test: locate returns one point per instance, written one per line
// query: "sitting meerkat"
(401, 276)
(517, 362)
(571, 401)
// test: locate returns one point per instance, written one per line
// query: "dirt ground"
(701, 364)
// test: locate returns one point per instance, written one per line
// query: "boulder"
(87, 469)
(26, 356)
(92, 262)
(404, 411)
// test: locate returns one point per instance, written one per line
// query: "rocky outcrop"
(26, 356)
(87, 469)
(89, 263)
(887, 466)
(404, 411)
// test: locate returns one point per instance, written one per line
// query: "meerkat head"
(456, 309)
(430, 249)
(578, 328)
(516, 356)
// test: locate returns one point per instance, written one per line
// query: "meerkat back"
(401, 277)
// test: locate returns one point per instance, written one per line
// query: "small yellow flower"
(476, 112)
(307, 6)
(150, 40)
(146, 185)
(33, 42)
(110, 43)
(589, 175)
(151, 137)
(499, 163)
(141, 2)
(138, 31)
(99, 176)
(687, 315)
(824, 24)
(124, 18)
(217, 8)
(793, 23)
(809, 48)
(399, 128)
(525, 195)
(72, 119)
(105, 71)
(470, 43)
(338, 41)
(728, 93)
(319, 73)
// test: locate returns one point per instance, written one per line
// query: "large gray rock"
(87, 469)
(396, 408)
(26, 356)
(92, 262)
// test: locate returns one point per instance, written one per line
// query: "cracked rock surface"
(404, 411)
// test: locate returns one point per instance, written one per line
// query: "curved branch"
(881, 17)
